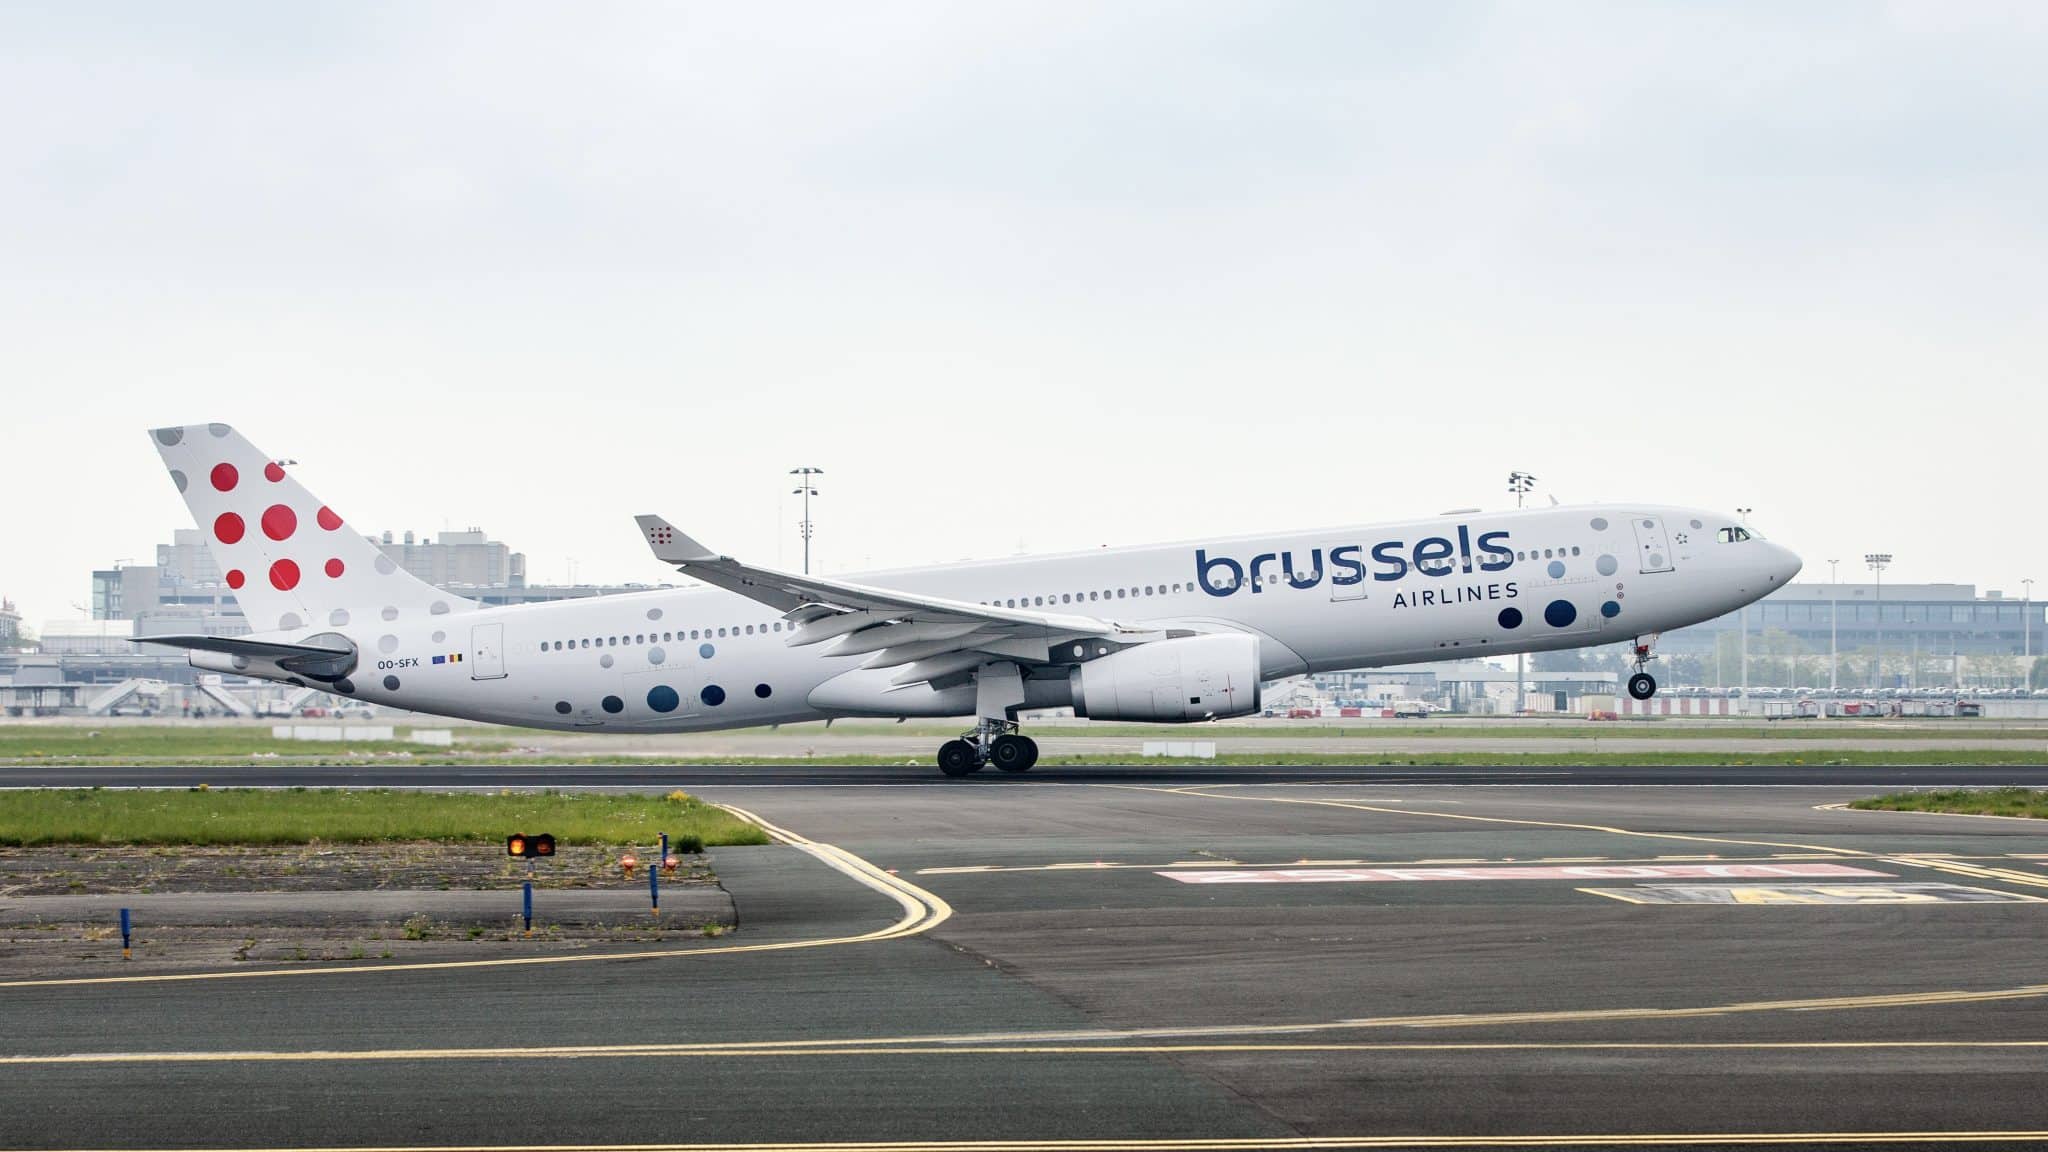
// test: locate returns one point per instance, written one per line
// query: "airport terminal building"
(1949, 634)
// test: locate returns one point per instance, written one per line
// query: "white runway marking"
(1569, 872)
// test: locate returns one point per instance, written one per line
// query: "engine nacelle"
(1171, 681)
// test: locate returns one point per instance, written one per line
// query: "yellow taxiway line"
(922, 911)
(638, 1051)
(1129, 1039)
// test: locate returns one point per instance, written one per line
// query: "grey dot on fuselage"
(1606, 565)
(390, 612)
(654, 613)
(338, 617)
(1599, 523)
(387, 643)
(656, 655)
(440, 608)
(289, 620)
(385, 565)
(604, 661)
(440, 636)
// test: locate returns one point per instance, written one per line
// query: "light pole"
(1520, 483)
(1742, 622)
(1877, 562)
(2027, 630)
(807, 489)
(1834, 600)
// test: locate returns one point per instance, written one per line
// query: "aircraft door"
(1653, 549)
(487, 652)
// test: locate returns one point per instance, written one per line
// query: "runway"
(1144, 958)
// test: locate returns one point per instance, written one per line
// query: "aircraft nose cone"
(1784, 564)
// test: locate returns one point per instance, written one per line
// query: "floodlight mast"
(806, 488)
(1521, 484)
(1878, 562)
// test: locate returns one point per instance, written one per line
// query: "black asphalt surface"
(655, 774)
(1078, 992)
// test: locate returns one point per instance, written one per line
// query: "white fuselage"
(1453, 586)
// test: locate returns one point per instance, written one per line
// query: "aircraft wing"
(931, 636)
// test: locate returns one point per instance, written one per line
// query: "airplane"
(1166, 633)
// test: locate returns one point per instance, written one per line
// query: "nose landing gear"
(1642, 685)
(991, 741)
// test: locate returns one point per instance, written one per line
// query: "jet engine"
(1171, 681)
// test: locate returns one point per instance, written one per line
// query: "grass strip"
(207, 816)
(2031, 802)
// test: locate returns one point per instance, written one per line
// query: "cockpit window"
(1732, 535)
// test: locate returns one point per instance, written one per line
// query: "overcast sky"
(1030, 277)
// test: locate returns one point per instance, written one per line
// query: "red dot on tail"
(235, 577)
(284, 575)
(228, 527)
(224, 477)
(272, 472)
(328, 519)
(334, 568)
(279, 522)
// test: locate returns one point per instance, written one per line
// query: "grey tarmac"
(1074, 992)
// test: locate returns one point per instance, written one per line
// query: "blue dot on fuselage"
(663, 698)
(1560, 613)
(705, 650)
(763, 691)
(1511, 617)
(712, 695)
(613, 705)
(1610, 609)
(1556, 569)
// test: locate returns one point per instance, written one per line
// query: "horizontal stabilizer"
(239, 646)
(236, 653)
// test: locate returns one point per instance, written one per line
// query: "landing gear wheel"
(1013, 753)
(1642, 685)
(958, 758)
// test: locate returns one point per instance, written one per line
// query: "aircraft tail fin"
(289, 558)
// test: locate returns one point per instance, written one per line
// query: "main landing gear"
(994, 742)
(1642, 685)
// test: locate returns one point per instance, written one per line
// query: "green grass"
(1971, 801)
(203, 816)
